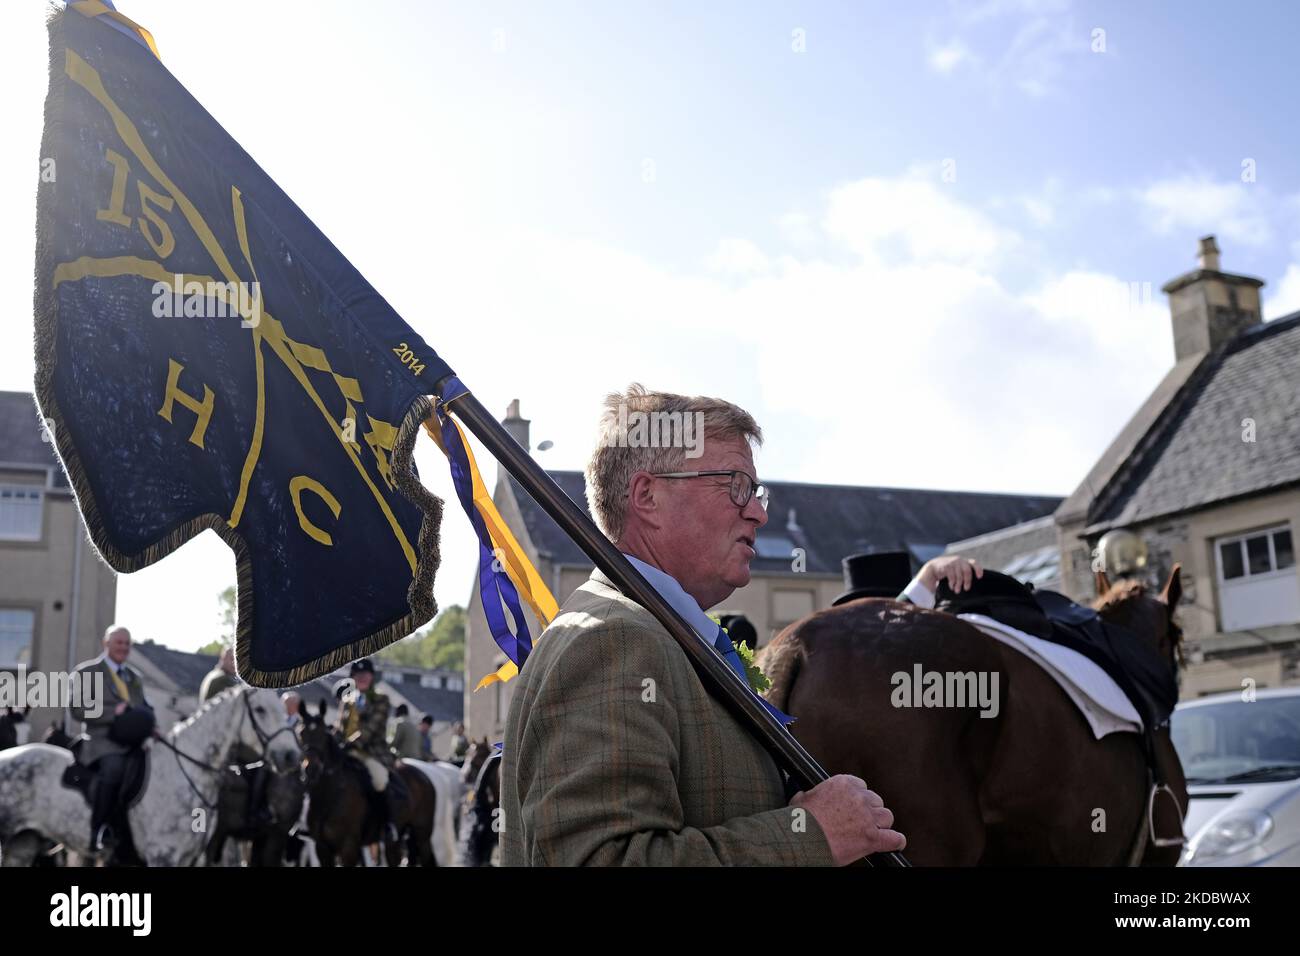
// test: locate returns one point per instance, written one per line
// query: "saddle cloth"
(85, 779)
(1099, 698)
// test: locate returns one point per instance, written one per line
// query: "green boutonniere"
(758, 681)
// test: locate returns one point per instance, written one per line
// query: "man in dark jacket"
(105, 750)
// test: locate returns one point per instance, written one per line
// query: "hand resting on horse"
(853, 818)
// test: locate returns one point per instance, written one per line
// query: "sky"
(922, 243)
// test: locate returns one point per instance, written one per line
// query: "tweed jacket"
(214, 682)
(615, 754)
(97, 743)
(407, 740)
(368, 714)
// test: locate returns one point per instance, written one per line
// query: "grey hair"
(613, 463)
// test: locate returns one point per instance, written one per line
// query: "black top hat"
(362, 666)
(740, 630)
(878, 574)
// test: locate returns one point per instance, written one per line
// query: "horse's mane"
(1121, 593)
(209, 704)
(1118, 594)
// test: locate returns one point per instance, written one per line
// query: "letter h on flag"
(279, 406)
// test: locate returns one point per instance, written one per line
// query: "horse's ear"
(320, 710)
(1173, 591)
(1103, 583)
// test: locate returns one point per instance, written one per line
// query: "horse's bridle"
(263, 738)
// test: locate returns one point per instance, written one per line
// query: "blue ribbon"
(494, 585)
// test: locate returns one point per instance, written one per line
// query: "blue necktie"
(728, 650)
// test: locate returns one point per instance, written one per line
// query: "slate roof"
(20, 436)
(442, 704)
(185, 669)
(830, 521)
(1194, 455)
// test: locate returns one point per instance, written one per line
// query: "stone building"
(56, 595)
(1207, 473)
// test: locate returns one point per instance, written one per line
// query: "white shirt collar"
(678, 599)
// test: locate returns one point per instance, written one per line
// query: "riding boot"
(383, 812)
(259, 814)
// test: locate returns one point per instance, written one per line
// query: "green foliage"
(212, 647)
(753, 673)
(226, 612)
(441, 644)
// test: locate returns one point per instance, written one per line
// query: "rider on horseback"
(112, 741)
(363, 727)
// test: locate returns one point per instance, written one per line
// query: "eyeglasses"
(743, 487)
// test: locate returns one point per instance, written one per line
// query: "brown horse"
(483, 774)
(340, 818)
(1030, 785)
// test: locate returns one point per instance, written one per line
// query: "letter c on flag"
(296, 487)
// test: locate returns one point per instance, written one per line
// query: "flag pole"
(709, 665)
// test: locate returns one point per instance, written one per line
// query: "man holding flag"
(206, 359)
(615, 752)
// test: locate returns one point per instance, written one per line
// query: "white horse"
(181, 789)
(447, 784)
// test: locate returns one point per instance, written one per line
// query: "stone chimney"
(516, 426)
(1210, 307)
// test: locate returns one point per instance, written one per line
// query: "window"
(789, 605)
(1261, 553)
(1258, 586)
(16, 629)
(20, 512)
(774, 546)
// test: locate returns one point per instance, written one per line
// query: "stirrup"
(104, 840)
(1181, 839)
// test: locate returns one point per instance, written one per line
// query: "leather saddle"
(85, 779)
(1149, 682)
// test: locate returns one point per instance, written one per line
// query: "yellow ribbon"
(96, 8)
(520, 570)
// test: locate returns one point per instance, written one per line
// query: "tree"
(441, 644)
(212, 647)
(226, 612)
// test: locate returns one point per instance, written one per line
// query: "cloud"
(1196, 203)
(737, 257)
(891, 351)
(912, 218)
(1286, 295)
(1043, 36)
(798, 228)
(946, 58)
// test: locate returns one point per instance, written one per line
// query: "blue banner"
(206, 358)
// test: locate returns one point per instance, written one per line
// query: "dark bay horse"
(482, 773)
(339, 817)
(1030, 785)
(282, 797)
